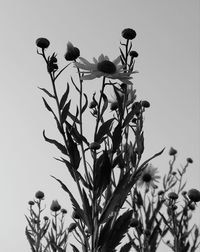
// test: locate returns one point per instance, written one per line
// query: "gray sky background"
(167, 41)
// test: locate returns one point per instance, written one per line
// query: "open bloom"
(148, 177)
(103, 67)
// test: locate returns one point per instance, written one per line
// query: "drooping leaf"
(75, 204)
(126, 247)
(64, 97)
(74, 248)
(74, 132)
(103, 130)
(105, 105)
(117, 199)
(117, 137)
(61, 147)
(73, 151)
(65, 111)
(102, 173)
(85, 105)
(47, 105)
(87, 212)
(47, 92)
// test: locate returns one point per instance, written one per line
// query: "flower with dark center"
(148, 177)
(128, 33)
(103, 67)
(42, 43)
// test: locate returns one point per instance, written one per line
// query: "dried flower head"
(39, 195)
(189, 160)
(133, 54)
(173, 195)
(55, 206)
(72, 52)
(128, 33)
(42, 43)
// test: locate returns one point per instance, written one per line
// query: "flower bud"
(42, 43)
(63, 211)
(194, 195)
(189, 160)
(46, 218)
(172, 151)
(39, 195)
(71, 227)
(145, 104)
(94, 146)
(31, 203)
(128, 33)
(72, 52)
(93, 104)
(173, 195)
(55, 206)
(133, 54)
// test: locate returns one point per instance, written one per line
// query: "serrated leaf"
(47, 92)
(119, 229)
(64, 97)
(103, 130)
(61, 147)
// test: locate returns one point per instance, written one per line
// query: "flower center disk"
(107, 67)
(147, 178)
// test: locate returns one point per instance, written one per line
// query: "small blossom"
(191, 206)
(72, 52)
(194, 195)
(94, 146)
(55, 206)
(133, 54)
(189, 160)
(128, 33)
(39, 195)
(173, 195)
(172, 151)
(63, 211)
(93, 104)
(31, 203)
(42, 43)
(46, 218)
(145, 104)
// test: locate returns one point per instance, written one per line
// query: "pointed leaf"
(64, 97)
(74, 248)
(105, 105)
(65, 112)
(85, 105)
(73, 151)
(103, 130)
(47, 105)
(47, 92)
(117, 137)
(61, 147)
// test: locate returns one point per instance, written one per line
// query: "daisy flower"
(103, 67)
(148, 177)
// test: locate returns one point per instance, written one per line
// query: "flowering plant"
(121, 206)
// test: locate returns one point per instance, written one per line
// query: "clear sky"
(168, 39)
